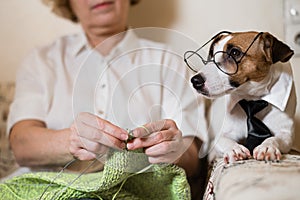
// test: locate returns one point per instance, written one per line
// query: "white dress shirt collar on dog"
(279, 92)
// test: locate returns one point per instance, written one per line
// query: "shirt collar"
(80, 44)
(277, 95)
(128, 43)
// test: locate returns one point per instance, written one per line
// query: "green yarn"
(126, 175)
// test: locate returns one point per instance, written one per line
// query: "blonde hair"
(63, 8)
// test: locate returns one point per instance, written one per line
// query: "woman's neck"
(104, 40)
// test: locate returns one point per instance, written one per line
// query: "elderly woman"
(77, 96)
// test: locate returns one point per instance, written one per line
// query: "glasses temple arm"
(250, 45)
(222, 32)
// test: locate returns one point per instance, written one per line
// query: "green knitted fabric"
(126, 175)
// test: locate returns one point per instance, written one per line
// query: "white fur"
(234, 124)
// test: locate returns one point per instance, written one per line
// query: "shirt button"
(101, 112)
(103, 85)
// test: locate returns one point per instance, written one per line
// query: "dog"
(253, 66)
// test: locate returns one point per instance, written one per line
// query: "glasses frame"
(213, 60)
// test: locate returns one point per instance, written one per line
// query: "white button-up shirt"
(138, 82)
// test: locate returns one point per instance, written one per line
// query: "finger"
(153, 139)
(94, 147)
(146, 129)
(163, 148)
(83, 154)
(152, 127)
(90, 120)
(168, 158)
(141, 132)
(93, 134)
(112, 129)
(77, 149)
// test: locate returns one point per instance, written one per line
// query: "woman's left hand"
(162, 141)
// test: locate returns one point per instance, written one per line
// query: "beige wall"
(27, 23)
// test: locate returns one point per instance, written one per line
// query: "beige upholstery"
(251, 179)
(7, 162)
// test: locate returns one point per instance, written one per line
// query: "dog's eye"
(235, 53)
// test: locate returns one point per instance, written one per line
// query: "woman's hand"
(91, 136)
(161, 140)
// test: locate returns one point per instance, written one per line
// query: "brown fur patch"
(254, 65)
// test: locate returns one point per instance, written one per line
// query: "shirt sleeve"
(30, 100)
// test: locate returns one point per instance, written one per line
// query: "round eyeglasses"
(225, 61)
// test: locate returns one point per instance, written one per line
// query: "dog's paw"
(237, 152)
(266, 152)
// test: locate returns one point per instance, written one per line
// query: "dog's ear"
(275, 49)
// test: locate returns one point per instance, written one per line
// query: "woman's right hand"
(92, 136)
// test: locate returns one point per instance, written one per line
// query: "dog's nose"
(198, 81)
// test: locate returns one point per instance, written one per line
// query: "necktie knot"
(252, 107)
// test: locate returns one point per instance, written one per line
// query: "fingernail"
(130, 145)
(124, 136)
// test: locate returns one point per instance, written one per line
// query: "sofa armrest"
(252, 179)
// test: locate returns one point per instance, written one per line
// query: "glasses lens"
(194, 61)
(225, 62)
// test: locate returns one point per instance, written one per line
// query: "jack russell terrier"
(252, 72)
